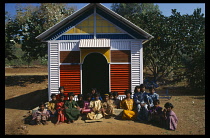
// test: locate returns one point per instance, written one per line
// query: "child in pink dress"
(86, 108)
(169, 118)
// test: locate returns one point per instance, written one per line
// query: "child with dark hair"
(153, 94)
(111, 96)
(41, 115)
(96, 106)
(141, 101)
(86, 108)
(60, 109)
(80, 101)
(51, 105)
(169, 118)
(128, 105)
(107, 106)
(116, 100)
(155, 112)
(61, 90)
(72, 109)
(93, 92)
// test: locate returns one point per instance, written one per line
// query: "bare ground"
(24, 91)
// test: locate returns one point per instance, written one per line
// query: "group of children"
(143, 107)
(146, 107)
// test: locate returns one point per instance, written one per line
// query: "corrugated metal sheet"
(69, 46)
(94, 43)
(70, 78)
(54, 68)
(120, 75)
(135, 64)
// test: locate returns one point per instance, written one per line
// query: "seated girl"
(96, 106)
(155, 112)
(60, 109)
(61, 90)
(169, 118)
(86, 108)
(80, 101)
(93, 92)
(153, 95)
(72, 109)
(52, 109)
(116, 100)
(128, 105)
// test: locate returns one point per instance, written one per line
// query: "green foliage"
(177, 48)
(31, 21)
(131, 11)
(9, 43)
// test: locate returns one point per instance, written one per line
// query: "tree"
(176, 38)
(9, 43)
(131, 11)
(31, 21)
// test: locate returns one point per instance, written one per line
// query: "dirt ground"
(25, 88)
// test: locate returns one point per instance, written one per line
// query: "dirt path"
(26, 92)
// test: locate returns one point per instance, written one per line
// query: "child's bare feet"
(57, 123)
(44, 123)
(38, 123)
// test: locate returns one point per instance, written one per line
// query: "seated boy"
(40, 116)
(107, 106)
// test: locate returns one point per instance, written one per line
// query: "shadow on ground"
(27, 101)
(23, 80)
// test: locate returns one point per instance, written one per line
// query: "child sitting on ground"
(72, 109)
(40, 116)
(52, 109)
(141, 102)
(61, 90)
(128, 105)
(155, 112)
(116, 100)
(153, 94)
(169, 118)
(60, 109)
(93, 92)
(96, 106)
(111, 96)
(80, 101)
(107, 106)
(86, 108)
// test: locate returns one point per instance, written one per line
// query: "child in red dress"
(60, 109)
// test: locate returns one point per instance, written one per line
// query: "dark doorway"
(95, 74)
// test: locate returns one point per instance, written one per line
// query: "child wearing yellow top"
(128, 105)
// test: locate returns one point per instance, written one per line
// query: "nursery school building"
(94, 48)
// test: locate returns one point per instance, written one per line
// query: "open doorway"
(95, 74)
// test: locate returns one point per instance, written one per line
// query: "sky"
(183, 8)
